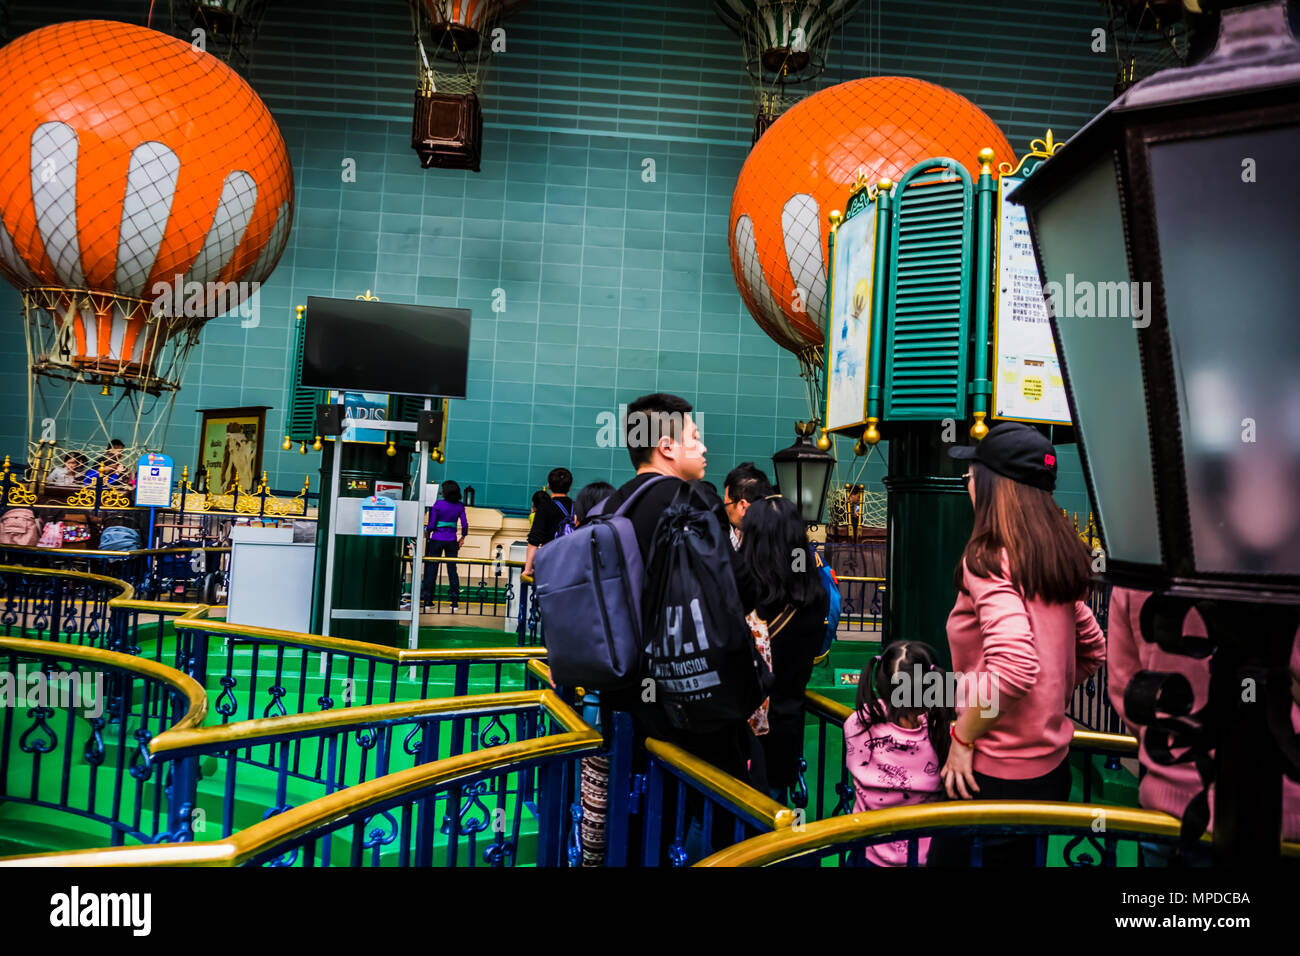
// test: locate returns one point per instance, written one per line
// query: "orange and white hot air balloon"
(804, 167)
(144, 189)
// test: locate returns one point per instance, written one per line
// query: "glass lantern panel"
(787, 476)
(1228, 222)
(1081, 240)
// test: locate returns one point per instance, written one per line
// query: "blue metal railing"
(54, 607)
(112, 706)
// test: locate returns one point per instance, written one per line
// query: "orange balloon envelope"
(137, 174)
(804, 166)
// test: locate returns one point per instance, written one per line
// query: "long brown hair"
(1048, 560)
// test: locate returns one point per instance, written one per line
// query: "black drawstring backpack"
(700, 655)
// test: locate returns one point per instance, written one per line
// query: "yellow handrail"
(776, 847)
(195, 696)
(181, 610)
(250, 733)
(712, 780)
(1125, 745)
(832, 710)
(262, 838)
(340, 645)
(540, 669)
(127, 592)
(97, 553)
(504, 562)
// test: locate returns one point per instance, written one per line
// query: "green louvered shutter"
(928, 318)
(301, 420)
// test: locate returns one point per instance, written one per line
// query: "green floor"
(27, 829)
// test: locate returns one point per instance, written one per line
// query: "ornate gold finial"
(316, 445)
(1038, 148)
(886, 184)
(185, 473)
(302, 449)
(301, 309)
(106, 390)
(872, 435)
(862, 182)
(392, 448)
(835, 218)
(979, 429)
(823, 441)
(986, 161)
(1044, 147)
(6, 464)
(368, 297)
(287, 444)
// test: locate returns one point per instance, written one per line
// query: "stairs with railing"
(229, 744)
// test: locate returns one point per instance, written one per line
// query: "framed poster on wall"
(230, 447)
(848, 327)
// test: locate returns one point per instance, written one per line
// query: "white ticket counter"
(270, 578)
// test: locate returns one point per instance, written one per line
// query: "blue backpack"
(589, 583)
(566, 526)
(118, 538)
(834, 604)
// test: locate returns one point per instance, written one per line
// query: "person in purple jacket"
(446, 513)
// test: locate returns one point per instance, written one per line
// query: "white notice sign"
(153, 480)
(379, 517)
(1027, 383)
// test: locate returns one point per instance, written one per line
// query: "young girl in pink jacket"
(894, 746)
(1021, 631)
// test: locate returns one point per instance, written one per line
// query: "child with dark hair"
(540, 498)
(894, 744)
(552, 513)
(590, 496)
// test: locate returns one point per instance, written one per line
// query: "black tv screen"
(367, 346)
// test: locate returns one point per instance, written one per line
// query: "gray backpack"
(589, 596)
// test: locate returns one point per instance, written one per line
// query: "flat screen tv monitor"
(366, 346)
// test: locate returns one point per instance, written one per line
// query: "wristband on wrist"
(952, 732)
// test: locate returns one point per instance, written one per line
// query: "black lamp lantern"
(1167, 241)
(803, 473)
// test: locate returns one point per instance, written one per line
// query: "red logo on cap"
(1049, 461)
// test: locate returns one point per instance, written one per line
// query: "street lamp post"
(803, 473)
(1166, 238)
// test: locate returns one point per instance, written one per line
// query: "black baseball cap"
(1016, 451)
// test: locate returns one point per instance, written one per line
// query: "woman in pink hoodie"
(1021, 637)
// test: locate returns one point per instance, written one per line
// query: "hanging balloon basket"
(786, 43)
(447, 130)
(84, 336)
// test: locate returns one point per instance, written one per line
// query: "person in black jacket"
(662, 439)
(775, 571)
(551, 512)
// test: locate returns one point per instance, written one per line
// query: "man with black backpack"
(664, 445)
(554, 519)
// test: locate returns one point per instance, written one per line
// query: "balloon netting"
(805, 165)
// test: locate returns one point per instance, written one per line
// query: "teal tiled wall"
(613, 286)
